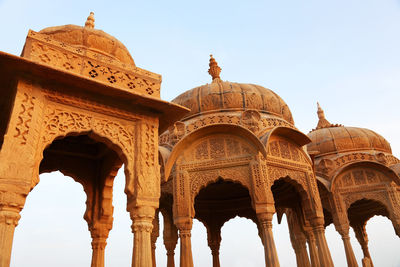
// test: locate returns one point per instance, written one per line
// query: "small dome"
(223, 95)
(91, 39)
(329, 139)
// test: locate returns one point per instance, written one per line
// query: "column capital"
(265, 216)
(142, 225)
(343, 230)
(183, 223)
(99, 243)
(10, 216)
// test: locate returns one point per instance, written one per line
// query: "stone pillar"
(11, 203)
(142, 225)
(324, 255)
(271, 257)
(297, 238)
(343, 230)
(154, 235)
(170, 235)
(184, 226)
(299, 245)
(9, 217)
(98, 247)
(170, 247)
(214, 242)
(362, 238)
(312, 245)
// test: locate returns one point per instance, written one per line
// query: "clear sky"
(344, 54)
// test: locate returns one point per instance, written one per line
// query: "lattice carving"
(23, 124)
(200, 179)
(60, 122)
(93, 65)
(217, 147)
(279, 148)
(358, 177)
(234, 119)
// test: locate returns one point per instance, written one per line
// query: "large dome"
(223, 95)
(92, 39)
(330, 139)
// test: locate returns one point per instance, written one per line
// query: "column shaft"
(8, 221)
(170, 257)
(362, 238)
(271, 257)
(324, 255)
(141, 228)
(186, 259)
(350, 257)
(313, 249)
(301, 254)
(98, 247)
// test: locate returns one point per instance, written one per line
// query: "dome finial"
(214, 69)
(90, 21)
(322, 123)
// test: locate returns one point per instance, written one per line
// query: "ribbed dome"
(330, 138)
(92, 39)
(222, 95)
(346, 139)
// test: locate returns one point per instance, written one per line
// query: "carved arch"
(202, 180)
(371, 165)
(117, 135)
(294, 135)
(287, 144)
(208, 130)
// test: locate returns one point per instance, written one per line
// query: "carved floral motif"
(24, 118)
(95, 66)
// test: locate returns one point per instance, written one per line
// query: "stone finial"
(214, 70)
(90, 21)
(322, 123)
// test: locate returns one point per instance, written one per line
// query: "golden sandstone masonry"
(76, 102)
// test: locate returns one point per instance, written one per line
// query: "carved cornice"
(90, 105)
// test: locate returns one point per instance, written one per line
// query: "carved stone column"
(343, 230)
(297, 239)
(98, 247)
(9, 217)
(11, 204)
(142, 225)
(324, 255)
(184, 226)
(214, 242)
(170, 235)
(299, 245)
(154, 235)
(271, 257)
(312, 244)
(170, 245)
(362, 237)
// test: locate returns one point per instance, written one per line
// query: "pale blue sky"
(344, 54)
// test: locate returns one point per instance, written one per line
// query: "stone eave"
(69, 83)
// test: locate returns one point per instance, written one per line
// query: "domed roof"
(329, 139)
(91, 39)
(223, 95)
